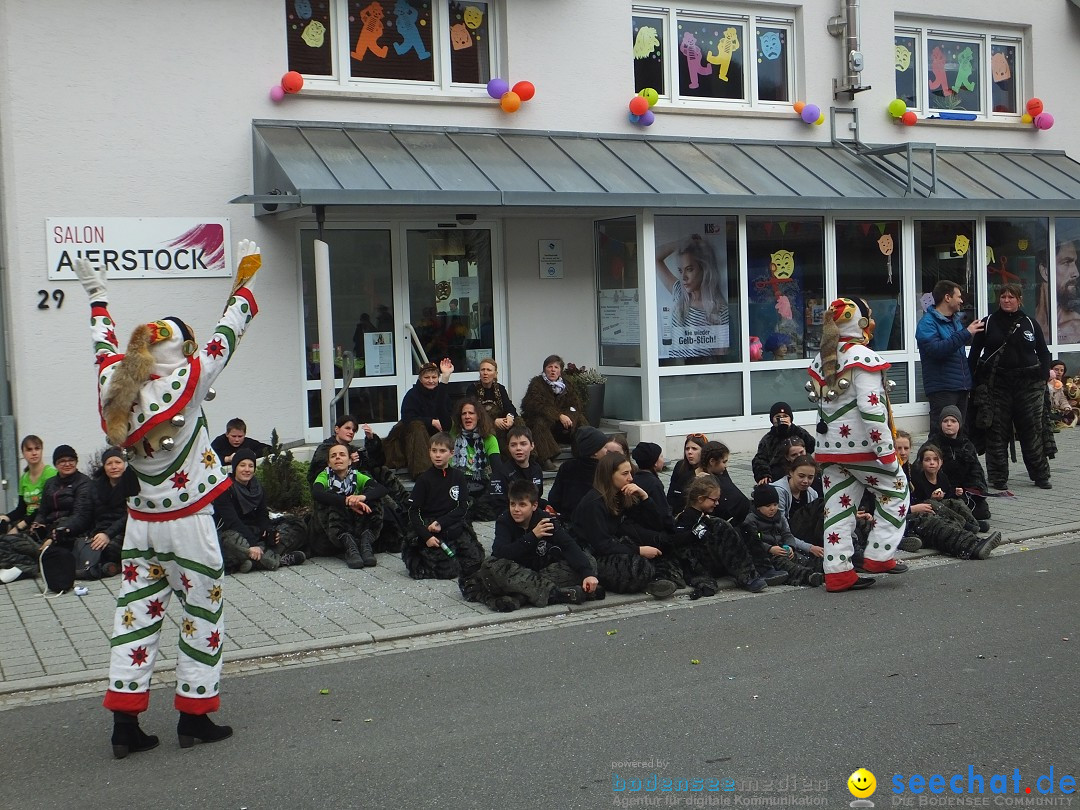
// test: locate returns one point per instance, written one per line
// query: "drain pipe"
(847, 26)
(325, 315)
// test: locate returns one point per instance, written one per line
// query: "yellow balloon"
(821, 120)
(1026, 118)
(862, 784)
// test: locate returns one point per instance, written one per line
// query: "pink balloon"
(277, 93)
(1043, 120)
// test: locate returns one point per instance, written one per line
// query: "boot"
(128, 738)
(352, 552)
(199, 727)
(293, 558)
(366, 554)
(985, 546)
(660, 588)
(573, 595)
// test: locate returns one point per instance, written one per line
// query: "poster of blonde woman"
(692, 281)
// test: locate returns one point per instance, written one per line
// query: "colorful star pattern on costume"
(101, 358)
(110, 336)
(902, 510)
(185, 582)
(131, 572)
(899, 484)
(845, 501)
(834, 538)
(188, 627)
(845, 431)
(180, 480)
(209, 459)
(155, 571)
(155, 608)
(825, 481)
(873, 398)
(139, 656)
(885, 499)
(875, 435)
(871, 480)
(213, 641)
(215, 348)
(128, 619)
(215, 593)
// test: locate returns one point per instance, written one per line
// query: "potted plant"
(589, 384)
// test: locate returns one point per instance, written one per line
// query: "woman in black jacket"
(425, 411)
(1010, 364)
(110, 486)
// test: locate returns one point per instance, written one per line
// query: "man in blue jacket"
(941, 336)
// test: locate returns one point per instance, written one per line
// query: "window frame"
(749, 19)
(988, 37)
(343, 82)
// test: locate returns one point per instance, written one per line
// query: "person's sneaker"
(774, 576)
(816, 580)
(660, 588)
(574, 595)
(862, 583)
(910, 542)
(985, 546)
(245, 566)
(756, 585)
(984, 526)
(899, 568)
(10, 574)
(504, 604)
(1044, 485)
(294, 558)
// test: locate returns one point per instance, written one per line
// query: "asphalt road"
(957, 665)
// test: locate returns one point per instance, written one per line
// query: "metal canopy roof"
(320, 164)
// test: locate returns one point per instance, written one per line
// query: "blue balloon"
(634, 118)
(303, 9)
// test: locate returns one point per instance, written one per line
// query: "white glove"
(248, 262)
(92, 278)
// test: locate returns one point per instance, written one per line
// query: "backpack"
(57, 568)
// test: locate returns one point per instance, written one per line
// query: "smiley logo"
(862, 784)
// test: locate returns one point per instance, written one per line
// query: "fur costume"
(541, 409)
(856, 450)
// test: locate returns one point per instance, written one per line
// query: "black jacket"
(572, 482)
(508, 472)
(1016, 345)
(109, 507)
(961, 463)
(441, 495)
(523, 547)
(426, 404)
(651, 483)
(681, 477)
(771, 442)
(734, 506)
(605, 533)
(66, 503)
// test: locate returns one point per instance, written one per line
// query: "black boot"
(366, 554)
(128, 738)
(352, 551)
(199, 727)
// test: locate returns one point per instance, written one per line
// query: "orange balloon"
(1034, 106)
(910, 118)
(798, 106)
(510, 101)
(639, 105)
(525, 90)
(292, 82)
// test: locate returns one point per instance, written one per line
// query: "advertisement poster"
(620, 320)
(378, 354)
(691, 284)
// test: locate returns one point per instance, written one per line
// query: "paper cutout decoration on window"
(314, 34)
(886, 246)
(990, 258)
(373, 28)
(782, 262)
(406, 28)
(646, 42)
(1022, 244)
(474, 17)
(460, 38)
(769, 45)
(963, 72)
(303, 9)
(689, 48)
(940, 80)
(999, 67)
(961, 245)
(724, 49)
(903, 58)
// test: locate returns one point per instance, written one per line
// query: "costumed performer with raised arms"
(856, 449)
(150, 400)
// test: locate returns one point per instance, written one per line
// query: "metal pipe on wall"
(325, 315)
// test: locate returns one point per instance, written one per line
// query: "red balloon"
(639, 105)
(292, 82)
(525, 90)
(1034, 106)
(910, 118)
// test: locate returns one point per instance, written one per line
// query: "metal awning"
(299, 164)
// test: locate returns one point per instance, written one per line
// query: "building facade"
(689, 259)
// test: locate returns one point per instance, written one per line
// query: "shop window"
(1016, 253)
(975, 72)
(945, 250)
(778, 385)
(869, 264)
(394, 43)
(702, 396)
(1066, 249)
(785, 287)
(715, 53)
(697, 290)
(622, 398)
(618, 299)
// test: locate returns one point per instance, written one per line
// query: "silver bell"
(167, 444)
(843, 385)
(812, 396)
(830, 395)
(210, 394)
(809, 385)
(129, 453)
(178, 420)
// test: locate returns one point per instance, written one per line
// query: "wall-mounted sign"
(551, 258)
(139, 247)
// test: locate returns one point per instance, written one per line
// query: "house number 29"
(57, 296)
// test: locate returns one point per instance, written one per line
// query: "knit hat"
(779, 407)
(765, 494)
(589, 441)
(111, 452)
(64, 451)
(953, 411)
(242, 454)
(645, 454)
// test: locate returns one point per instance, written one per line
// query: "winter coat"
(573, 480)
(770, 532)
(109, 507)
(1016, 345)
(371, 456)
(425, 404)
(66, 503)
(960, 461)
(941, 346)
(525, 548)
(770, 443)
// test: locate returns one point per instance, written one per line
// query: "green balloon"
(897, 107)
(650, 96)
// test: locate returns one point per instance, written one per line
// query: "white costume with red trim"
(171, 544)
(857, 451)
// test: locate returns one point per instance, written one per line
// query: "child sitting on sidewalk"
(960, 463)
(733, 506)
(782, 428)
(776, 543)
(346, 516)
(521, 467)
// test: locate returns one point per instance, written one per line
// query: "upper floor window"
(976, 72)
(714, 54)
(395, 44)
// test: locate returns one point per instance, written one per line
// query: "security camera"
(466, 219)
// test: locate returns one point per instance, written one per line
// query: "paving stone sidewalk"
(323, 604)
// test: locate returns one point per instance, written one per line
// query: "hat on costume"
(953, 411)
(779, 407)
(646, 454)
(765, 494)
(64, 451)
(589, 441)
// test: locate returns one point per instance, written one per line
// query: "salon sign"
(139, 247)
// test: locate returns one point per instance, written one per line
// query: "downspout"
(325, 315)
(847, 26)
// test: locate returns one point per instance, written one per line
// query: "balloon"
(810, 113)
(1026, 118)
(497, 88)
(1034, 106)
(650, 96)
(634, 118)
(897, 107)
(1043, 120)
(798, 107)
(510, 101)
(647, 118)
(821, 119)
(909, 118)
(525, 90)
(277, 93)
(638, 105)
(292, 82)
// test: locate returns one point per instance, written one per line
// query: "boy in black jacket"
(961, 462)
(519, 444)
(782, 428)
(445, 545)
(533, 560)
(771, 542)
(650, 460)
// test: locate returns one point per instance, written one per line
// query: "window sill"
(978, 123)
(730, 112)
(422, 96)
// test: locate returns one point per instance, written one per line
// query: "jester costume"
(150, 400)
(855, 449)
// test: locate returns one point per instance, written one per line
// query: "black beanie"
(589, 441)
(779, 407)
(765, 494)
(645, 454)
(64, 451)
(111, 452)
(242, 454)
(953, 411)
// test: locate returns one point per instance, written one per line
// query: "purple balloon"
(634, 119)
(647, 118)
(811, 113)
(1043, 120)
(277, 93)
(497, 88)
